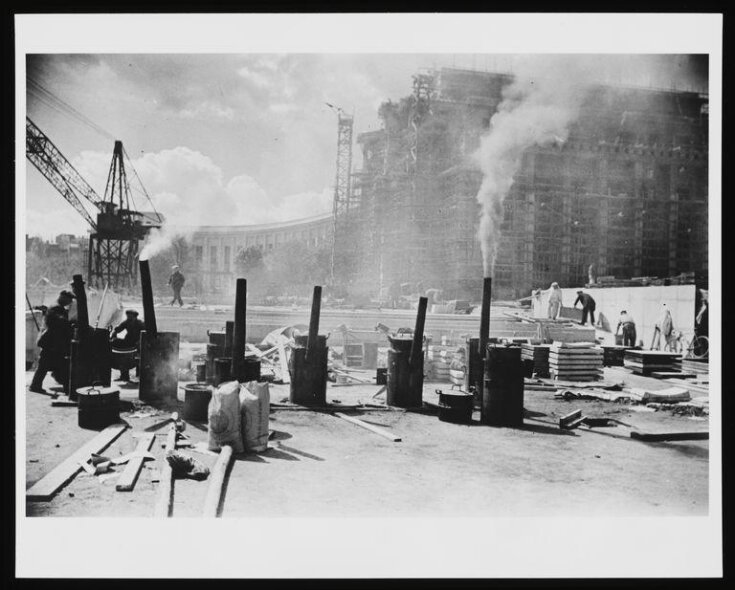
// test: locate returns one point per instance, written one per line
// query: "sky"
(239, 139)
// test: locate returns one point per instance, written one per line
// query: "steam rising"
(536, 110)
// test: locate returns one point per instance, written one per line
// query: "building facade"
(213, 249)
(627, 191)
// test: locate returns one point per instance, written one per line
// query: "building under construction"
(627, 192)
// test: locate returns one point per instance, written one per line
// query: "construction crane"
(118, 227)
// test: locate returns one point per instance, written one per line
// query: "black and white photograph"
(445, 306)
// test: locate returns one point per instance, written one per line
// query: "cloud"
(208, 110)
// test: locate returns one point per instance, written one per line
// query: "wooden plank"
(44, 489)
(664, 436)
(164, 503)
(370, 427)
(127, 480)
(216, 482)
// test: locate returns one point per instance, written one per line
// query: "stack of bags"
(539, 354)
(238, 416)
(575, 362)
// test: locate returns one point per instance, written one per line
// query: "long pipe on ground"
(149, 315)
(487, 287)
(418, 333)
(316, 303)
(238, 335)
(77, 286)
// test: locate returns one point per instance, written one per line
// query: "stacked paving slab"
(581, 362)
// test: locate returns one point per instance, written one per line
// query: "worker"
(132, 327)
(592, 274)
(701, 321)
(588, 306)
(555, 301)
(628, 325)
(54, 342)
(176, 280)
(664, 327)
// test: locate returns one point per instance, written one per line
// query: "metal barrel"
(98, 407)
(403, 389)
(502, 400)
(309, 374)
(196, 402)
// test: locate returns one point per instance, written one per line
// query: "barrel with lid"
(98, 406)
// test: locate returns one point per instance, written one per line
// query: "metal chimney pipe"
(149, 315)
(487, 287)
(418, 334)
(77, 286)
(238, 335)
(316, 303)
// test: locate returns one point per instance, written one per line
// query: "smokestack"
(418, 334)
(238, 336)
(77, 286)
(487, 287)
(149, 315)
(316, 302)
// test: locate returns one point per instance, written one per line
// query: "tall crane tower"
(118, 227)
(344, 201)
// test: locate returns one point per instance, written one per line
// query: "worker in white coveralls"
(664, 327)
(555, 301)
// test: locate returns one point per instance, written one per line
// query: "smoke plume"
(536, 110)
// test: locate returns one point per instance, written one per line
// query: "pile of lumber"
(440, 358)
(613, 355)
(645, 362)
(692, 366)
(578, 362)
(539, 354)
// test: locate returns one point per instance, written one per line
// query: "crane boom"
(50, 162)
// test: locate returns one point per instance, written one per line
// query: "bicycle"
(695, 348)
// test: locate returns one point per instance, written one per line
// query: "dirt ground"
(320, 465)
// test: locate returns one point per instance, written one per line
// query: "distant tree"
(249, 260)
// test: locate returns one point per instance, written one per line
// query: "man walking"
(54, 342)
(588, 306)
(176, 280)
(628, 325)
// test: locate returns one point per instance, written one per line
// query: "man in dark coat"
(132, 327)
(588, 307)
(54, 342)
(176, 280)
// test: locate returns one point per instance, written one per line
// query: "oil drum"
(502, 396)
(213, 351)
(456, 407)
(222, 370)
(196, 401)
(404, 382)
(98, 406)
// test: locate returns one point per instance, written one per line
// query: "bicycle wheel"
(699, 348)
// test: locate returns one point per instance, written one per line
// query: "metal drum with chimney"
(98, 406)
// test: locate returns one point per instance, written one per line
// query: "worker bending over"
(132, 327)
(588, 306)
(628, 325)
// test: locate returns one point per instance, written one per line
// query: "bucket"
(98, 406)
(196, 402)
(456, 407)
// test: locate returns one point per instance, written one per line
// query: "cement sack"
(254, 410)
(224, 417)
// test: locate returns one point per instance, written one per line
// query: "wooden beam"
(663, 436)
(370, 427)
(127, 480)
(164, 503)
(217, 482)
(44, 489)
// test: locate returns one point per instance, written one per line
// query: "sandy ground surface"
(318, 464)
